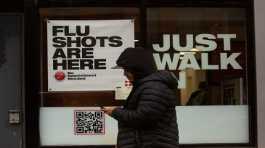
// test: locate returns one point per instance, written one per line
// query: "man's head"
(137, 61)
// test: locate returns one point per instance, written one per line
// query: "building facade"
(214, 42)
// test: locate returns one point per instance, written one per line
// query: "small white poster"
(122, 91)
(72, 126)
(82, 52)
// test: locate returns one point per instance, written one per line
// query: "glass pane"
(208, 45)
(69, 105)
(76, 98)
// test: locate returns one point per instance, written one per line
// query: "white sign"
(122, 90)
(196, 124)
(82, 52)
(58, 126)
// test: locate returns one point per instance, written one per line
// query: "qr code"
(88, 122)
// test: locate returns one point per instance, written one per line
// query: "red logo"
(59, 75)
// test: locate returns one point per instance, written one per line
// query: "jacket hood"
(137, 60)
(166, 77)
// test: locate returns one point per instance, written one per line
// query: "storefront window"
(77, 98)
(94, 36)
(207, 48)
(212, 41)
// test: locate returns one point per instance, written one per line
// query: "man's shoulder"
(154, 85)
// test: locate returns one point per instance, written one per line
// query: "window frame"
(143, 5)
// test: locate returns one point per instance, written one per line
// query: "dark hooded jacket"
(148, 117)
(137, 60)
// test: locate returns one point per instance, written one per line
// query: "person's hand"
(108, 109)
